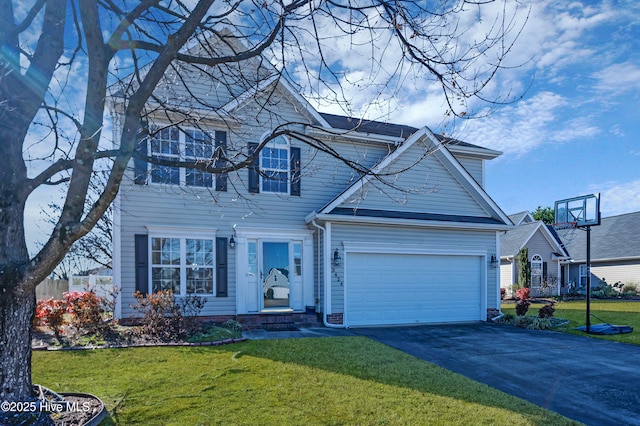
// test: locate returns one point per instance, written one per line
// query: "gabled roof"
(496, 215)
(521, 217)
(401, 131)
(512, 241)
(616, 238)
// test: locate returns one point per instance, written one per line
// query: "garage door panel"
(412, 288)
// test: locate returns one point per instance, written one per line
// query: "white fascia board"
(475, 152)
(483, 194)
(407, 222)
(233, 104)
(302, 101)
(351, 134)
(357, 185)
(549, 237)
(526, 240)
(611, 259)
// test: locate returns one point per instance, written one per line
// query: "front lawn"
(341, 380)
(609, 311)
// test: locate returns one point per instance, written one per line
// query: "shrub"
(232, 325)
(51, 312)
(523, 303)
(630, 288)
(190, 308)
(86, 311)
(540, 324)
(166, 318)
(161, 316)
(523, 293)
(547, 310)
(503, 293)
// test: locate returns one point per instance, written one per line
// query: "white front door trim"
(242, 237)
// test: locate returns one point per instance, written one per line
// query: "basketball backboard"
(583, 210)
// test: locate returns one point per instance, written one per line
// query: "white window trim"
(582, 273)
(536, 259)
(182, 233)
(264, 170)
(182, 156)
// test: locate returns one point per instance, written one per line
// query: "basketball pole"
(588, 325)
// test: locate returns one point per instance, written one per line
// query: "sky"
(576, 128)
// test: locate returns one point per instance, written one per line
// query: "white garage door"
(384, 288)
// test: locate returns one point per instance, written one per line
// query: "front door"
(274, 275)
(272, 271)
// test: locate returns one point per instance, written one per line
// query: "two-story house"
(398, 230)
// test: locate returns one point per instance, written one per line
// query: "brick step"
(280, 326)
(293, 320)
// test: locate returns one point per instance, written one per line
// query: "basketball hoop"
(566, 230)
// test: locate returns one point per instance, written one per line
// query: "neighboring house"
(615, 253)
(545, 252)
(359, 251)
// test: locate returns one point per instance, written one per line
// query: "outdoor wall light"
(494, 261)
(232, 242)
(337, 260)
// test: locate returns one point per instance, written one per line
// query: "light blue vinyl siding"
(415, 183)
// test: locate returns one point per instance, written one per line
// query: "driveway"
(593, 381)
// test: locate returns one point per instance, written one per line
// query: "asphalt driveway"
(593, 381)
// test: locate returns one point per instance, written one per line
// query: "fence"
(101, 285)
(49, 288)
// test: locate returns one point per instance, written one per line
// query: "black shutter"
(295, 171)
(221, 267)
(139, 165)
(142, 263)
(221, 149)
(544, 271)
(254, 170)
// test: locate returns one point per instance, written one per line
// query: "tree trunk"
(16, 313)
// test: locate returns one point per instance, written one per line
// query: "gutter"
(408, 222)
(326, 232)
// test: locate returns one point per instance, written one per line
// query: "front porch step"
(280, 326)
(289, 321)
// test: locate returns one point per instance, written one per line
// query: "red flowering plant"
(50, 312)
(523, 303)
(86, 310)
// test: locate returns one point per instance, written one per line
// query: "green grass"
(610, 311)
(322, 381)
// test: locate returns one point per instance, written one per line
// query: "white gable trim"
(439, 148)
(357, 185)
(547, 236)
(247, 96)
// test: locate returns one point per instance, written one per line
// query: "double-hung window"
(276, 169)
(183, 265)
(274, 164)
(191, 146)
(198, 148)
(165, 145)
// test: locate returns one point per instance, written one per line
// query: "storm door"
(275, 275)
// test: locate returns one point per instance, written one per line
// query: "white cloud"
(617, 79)
(618, 197)
(523, 127)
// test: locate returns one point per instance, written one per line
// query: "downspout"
(326, 232)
